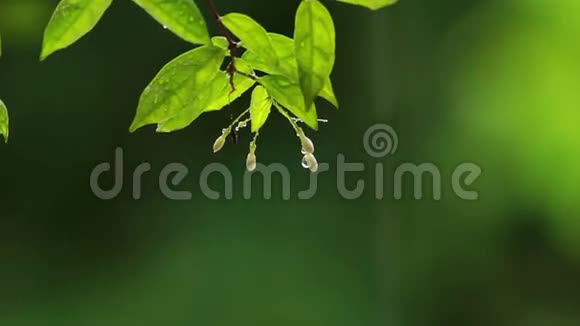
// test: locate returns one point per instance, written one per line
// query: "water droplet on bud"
(304, 163)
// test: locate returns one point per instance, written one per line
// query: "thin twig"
(287, 116)
(232, 44)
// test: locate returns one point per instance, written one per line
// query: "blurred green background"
(493, 82)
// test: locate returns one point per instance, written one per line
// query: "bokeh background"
(493, 82)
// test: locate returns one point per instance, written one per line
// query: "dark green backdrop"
(490, 82)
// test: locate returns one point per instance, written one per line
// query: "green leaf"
(216, 94)
(260, 107)
(177, 85)
(371, 4)
(221, 93)
(284, 47)
(289, 95)
(221, 42)
(220, 89)
(243, 67)
(288, 66)
(253, 36)
(182, 17)
(315, 47)
(71, 20)
(4, 121)
(328, 94)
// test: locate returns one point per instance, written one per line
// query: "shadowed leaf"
(288, 66)
(315, 47)
(288, 94)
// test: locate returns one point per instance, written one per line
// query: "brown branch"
(232, 44)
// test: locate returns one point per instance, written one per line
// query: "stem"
(290, 119)
(253, 144)
(223, 28)
(232, 44)
(249, 120)
(238, 119)
(253, 76)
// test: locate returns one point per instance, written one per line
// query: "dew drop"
(303, 151)
(304, 163)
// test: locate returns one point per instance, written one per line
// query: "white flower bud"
(311, 161)
(251, 162)
(307, 144)
(219, 143)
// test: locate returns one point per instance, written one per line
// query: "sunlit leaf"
(71, 20)
(243, 67)
(260, 107)
(288, 66)
(177, 85)
(252, 35)
(220, 41)
(182, 17)
(216, 95)
(221, 93)
(220, 89)
(328, 94)
(371, 4)
(4, 122)
(284, 47)
(288, 94)
(315, 47)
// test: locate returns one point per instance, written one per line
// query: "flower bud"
(219, 143)
(251, 162)
(311, 161)
(307, 144)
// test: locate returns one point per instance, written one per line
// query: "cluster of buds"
(236, 126)
(251, 162)
(309, 160)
